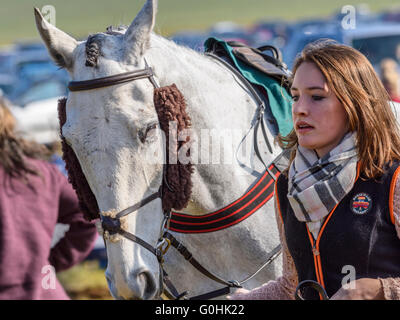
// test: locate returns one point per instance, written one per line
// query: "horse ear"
(59, 44)
(137, 37)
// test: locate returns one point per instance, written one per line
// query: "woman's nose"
(300, 107)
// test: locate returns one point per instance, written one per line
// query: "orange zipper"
(316, 252)
(315, 244)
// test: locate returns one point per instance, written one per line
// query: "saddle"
(257, 58)
(267, 73)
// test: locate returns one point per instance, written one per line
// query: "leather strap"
(171, 292)
(111, 80)
(313, 284)
(138, 205)
(113, 226)
(189, 257)
(212, 294)
(260, 103)
(261, 120)
(140, 241)
(229, 284)
(275, 60)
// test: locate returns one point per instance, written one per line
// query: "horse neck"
(174, 63)
(206, 85)
(214, 101)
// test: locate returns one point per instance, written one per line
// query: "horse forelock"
(93, 49)
(94, 43)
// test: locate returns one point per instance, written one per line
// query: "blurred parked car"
(391, 16)
(230, 31)
(38, 120)
(31, 89)
(35, 101)
(273, 33)
(192, 39)
(243, 37)
(34, 86)
(6, 77)
(375, 40)
(362, 14)
(12, 59)
(303, 36)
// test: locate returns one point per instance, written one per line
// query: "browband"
(110, 80)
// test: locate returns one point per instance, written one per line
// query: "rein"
(168, 190)
(313, 285)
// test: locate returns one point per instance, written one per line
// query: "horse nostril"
(148, 284)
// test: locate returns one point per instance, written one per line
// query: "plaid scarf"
(316, 185)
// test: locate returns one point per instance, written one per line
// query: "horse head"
(113, 132)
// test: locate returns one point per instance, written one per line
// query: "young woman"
(338, 204)
(34, 196)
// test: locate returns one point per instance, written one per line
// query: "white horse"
(109, 129)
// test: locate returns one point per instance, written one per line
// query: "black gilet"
(358, 238)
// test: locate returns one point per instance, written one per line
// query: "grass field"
(85, 281)
(82, 17)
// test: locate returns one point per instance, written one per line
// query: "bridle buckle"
(166, 243)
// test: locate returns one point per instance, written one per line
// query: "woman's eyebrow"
(309, 88)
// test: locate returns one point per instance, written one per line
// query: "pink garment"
(28, 215)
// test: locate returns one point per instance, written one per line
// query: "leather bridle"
(112, 225)
(120, 78)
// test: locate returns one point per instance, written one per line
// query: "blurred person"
(34, 197)
(338, 203)
(391, 78)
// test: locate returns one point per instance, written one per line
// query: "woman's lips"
(303, 127)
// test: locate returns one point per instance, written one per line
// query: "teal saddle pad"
(279, 99)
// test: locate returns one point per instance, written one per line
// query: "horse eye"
(147, 133)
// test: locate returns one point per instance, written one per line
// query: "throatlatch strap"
(232, 214)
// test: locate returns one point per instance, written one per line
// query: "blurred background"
(33, 84)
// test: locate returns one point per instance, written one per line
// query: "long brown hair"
(354, 82)
(14, 149)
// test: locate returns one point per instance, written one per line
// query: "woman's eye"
(295, 98)
(318, 98)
